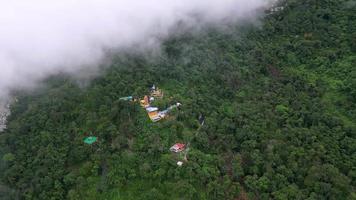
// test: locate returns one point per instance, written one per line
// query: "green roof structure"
(90, 140)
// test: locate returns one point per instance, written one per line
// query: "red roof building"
(178, 147)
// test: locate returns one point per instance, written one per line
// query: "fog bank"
(40, 38)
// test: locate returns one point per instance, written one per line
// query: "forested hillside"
(279, 101)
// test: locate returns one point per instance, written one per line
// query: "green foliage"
(279, 107)
(8, 157)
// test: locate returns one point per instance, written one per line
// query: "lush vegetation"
(279, 102)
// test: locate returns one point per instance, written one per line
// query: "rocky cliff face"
(4, 113)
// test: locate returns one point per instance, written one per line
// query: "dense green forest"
(279, 101)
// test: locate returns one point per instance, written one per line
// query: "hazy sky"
(39, 38)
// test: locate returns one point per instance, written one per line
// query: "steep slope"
(279, 107)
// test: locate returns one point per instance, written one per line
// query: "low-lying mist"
(41, 38)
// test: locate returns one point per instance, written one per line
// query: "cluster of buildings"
(156, 115)
(153, 112)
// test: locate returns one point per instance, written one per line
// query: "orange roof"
(153, 114)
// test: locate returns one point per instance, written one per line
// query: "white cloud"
(39, 38)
